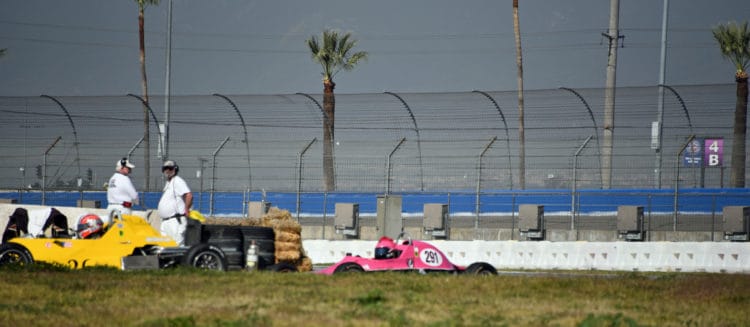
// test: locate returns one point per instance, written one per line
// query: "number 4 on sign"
(714, 147)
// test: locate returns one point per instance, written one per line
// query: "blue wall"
(590, 201)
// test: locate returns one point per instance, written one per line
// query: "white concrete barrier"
(616, 256)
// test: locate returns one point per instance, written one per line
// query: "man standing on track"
(121, 194)
(175, 202)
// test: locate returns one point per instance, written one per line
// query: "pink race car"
(406, 254)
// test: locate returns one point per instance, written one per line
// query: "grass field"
(50, 296)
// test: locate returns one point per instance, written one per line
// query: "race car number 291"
(430, 257)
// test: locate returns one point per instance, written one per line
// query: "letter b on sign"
(713, 160)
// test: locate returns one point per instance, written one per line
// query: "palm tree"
(734, 43)
(144, 86)
(521, 134)
(333, 55)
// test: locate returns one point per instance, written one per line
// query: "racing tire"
(481, 268)
(348, 267)
(206, 257)
(234, 241)
(15, 254)
(282, 267)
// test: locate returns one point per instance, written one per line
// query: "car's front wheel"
(348, 267)
(15, 254)
(205, 256)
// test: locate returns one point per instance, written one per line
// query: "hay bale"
(276, 214)
(281, 220)
(287, 246)
(283, 236)
(285, 226)
(288, 238)
(287, 256)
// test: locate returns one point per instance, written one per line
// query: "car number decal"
(431, 257)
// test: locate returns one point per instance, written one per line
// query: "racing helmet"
(384, 247)
(89, 225)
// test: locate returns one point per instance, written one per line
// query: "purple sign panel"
(714, 152)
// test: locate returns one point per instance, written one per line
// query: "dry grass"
(48, 296)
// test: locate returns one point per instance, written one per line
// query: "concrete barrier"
(723, 257)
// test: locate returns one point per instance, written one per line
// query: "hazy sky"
(90, 47)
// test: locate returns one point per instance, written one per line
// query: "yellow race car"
(126, 236)
(129, 242)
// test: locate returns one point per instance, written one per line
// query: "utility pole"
(521, 124)
(660, 105)
(167, 88)
(609, 93)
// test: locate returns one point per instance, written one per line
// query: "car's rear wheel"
(348, 267)
(206, 257)
(15, 254)
(481, 268)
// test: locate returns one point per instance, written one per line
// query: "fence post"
(479, 184)
(299, 172)
(247, 142)
(44, 169)
(677, 181)
(213, 174)
(575, 180)
(388, 166)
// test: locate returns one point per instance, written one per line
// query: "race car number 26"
(430, 257)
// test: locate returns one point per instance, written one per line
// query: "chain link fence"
(385, 142)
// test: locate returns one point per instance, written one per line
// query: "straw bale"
(287, 256)
(287, 246)
(283, 236)
(281, 220)
(276, 214)
(285, 226)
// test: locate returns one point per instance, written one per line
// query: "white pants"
(175, 228)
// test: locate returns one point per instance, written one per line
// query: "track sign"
(692, 155)
(714, 152)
